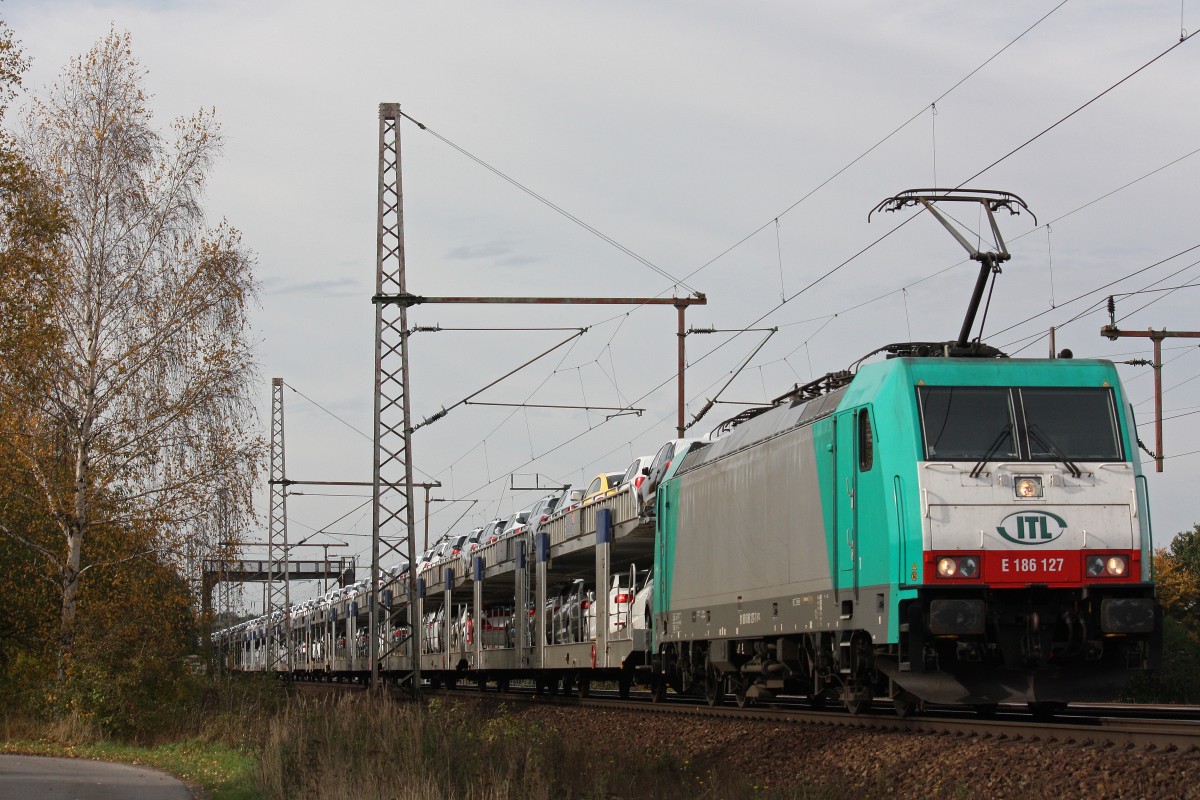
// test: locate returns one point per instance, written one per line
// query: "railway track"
(1151, 728)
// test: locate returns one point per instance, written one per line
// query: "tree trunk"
(76, 527)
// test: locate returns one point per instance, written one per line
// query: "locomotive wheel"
(714, 687)
(739, 694)
(818, 700)
(857, 702)
(907, 705)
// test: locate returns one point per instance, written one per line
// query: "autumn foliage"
(128, 442)
(1177, 576)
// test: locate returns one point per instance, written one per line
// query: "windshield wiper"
(991, 451)
(1036, 433)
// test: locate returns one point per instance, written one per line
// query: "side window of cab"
(866, 442)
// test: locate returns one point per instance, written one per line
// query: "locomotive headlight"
(958, 566)
(1028, 487)
(1107, 566)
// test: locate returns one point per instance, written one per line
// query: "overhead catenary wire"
(447, 409)
(944, 270)
(858, 158)
(969, 179)
(962, 183)
(1046, 130)
(917, 115)
(820, 278)
(1096, 306)
(554, 206)
(1098, 289)
(363, 434)
(706, 355)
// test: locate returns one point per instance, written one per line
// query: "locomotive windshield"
(962, 422)
(1081, 423)
(971, 423)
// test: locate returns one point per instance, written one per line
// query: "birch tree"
(143, 413)
(30, 227)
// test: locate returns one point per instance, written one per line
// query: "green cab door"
(845, 493)
(853, 457)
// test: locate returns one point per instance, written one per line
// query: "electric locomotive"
(968, 531)
(948, 525)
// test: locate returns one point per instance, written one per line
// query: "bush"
(1179, 679)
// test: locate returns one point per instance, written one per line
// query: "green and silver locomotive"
(954, 530)
(948, 525)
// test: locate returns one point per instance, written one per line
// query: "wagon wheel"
(740, 696)
(714, 687)
(907, 704)
(658, 689)
(502, 685)
(481, 682)
(585, 686)
(624, 683)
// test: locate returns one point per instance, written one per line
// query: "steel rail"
(1158, 729)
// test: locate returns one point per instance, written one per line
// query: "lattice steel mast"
(279, 587)
(392, 520)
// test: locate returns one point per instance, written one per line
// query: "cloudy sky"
(735, 146)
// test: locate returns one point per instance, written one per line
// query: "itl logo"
(1032, 527)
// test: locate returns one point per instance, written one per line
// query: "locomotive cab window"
(1077, 424)
(963, 423)
(866, 442)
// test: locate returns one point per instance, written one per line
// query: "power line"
(1057, 219)
(1037, 136)
(1100, 288)
(1037, 337)
(559, 209)
(870, 149)
(844, 263)
(366, 436)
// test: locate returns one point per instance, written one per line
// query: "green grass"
(246, 741)
(223, 772)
